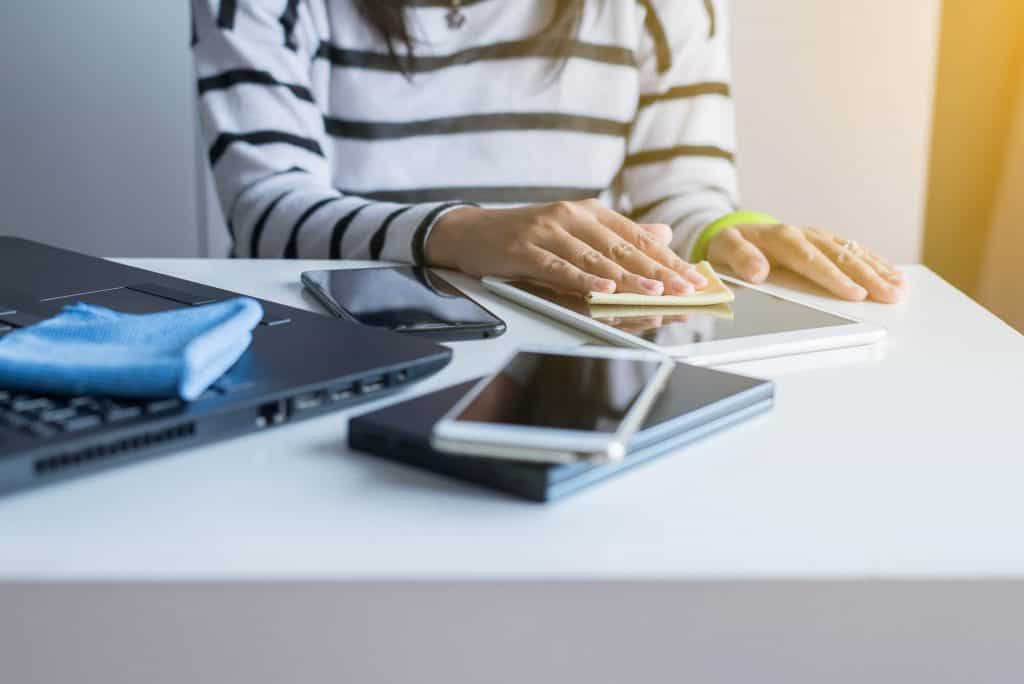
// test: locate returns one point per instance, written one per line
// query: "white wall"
(835, 105)
(97, 126)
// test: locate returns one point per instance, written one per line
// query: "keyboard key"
(40, 429)
(58, 415)
(84, 402)
(114, 412)
(83, 422)
(23, 403)
(163, 405)
(13, 420)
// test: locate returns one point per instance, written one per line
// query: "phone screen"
(404, 299)
(562, 392)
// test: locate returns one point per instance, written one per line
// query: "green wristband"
(737, 218)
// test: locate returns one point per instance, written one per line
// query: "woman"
(584, 143)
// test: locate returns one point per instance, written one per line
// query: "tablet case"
(704, 401)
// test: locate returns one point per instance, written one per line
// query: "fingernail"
(688, 288)
(603, 285)
(756, 270)
(677, 283)
(860, 292)
(653, 286)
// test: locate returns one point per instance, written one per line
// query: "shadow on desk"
(415, 482)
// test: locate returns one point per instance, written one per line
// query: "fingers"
(840, 266)
(639, 325)
(858, 268)
(885, 269)
(557, 272)
(789, 246)
(729, 248)
(659, 231)
(634, 255)
(588, 259)
(652, 241)
(636, 260)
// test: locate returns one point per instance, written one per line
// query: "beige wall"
(1000, 287)
(981, 61)
(835, 102)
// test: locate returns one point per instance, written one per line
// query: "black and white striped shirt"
(321, 147)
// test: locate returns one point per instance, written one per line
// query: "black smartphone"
(405, 299)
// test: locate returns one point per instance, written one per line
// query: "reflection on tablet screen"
(752, 313)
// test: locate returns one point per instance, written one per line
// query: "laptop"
(697, 402)
(299, 365)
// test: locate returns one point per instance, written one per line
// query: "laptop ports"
(308, 401)
(373, 385)
(341, 393)
(273, 413)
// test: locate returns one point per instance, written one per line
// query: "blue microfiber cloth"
(92, 350)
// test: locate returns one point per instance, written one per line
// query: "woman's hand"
(573, 246)
(842, 267)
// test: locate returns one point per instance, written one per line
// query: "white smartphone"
(556, 406)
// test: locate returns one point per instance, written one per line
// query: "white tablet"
(757, 325)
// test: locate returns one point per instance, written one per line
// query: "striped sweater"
(321, 147)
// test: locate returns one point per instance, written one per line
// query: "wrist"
(737, 218)
(444, 243)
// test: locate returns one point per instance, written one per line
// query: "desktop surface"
(894, 462)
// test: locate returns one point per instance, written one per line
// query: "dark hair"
(387, 18)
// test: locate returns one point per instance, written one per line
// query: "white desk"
(869, 527)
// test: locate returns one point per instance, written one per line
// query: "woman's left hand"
(842, 267)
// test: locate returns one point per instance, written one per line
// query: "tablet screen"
(565, 392)
(752, 313)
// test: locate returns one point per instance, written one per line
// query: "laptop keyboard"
(39, 415)
(45, 416)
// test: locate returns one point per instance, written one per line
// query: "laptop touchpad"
(122, 299)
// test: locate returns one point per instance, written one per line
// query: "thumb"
(659, 231)
(731, 249)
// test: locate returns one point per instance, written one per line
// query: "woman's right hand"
(572, 246)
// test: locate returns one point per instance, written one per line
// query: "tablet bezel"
(713, 352)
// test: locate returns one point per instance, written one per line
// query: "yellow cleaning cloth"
(715, 293)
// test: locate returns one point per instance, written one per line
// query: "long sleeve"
(679, 167)
(267, 144)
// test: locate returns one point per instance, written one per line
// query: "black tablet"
(696, 402)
